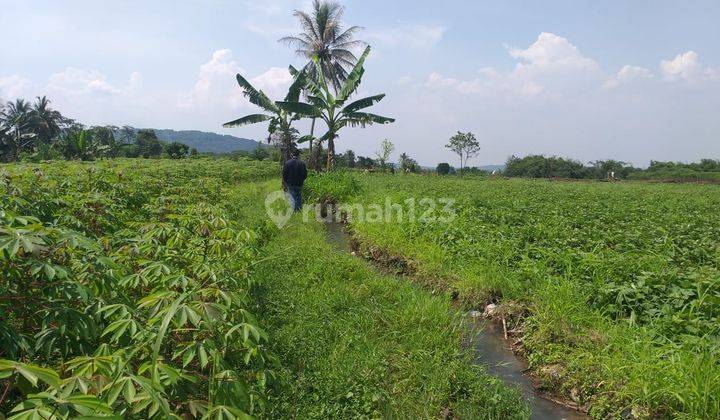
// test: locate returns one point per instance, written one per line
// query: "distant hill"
(208, 142)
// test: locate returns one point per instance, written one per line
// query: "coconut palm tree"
(280, 120)
(17, 122)
(332, 109)
(46, 122)
(323, 38)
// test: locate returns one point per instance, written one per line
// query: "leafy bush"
(339, 186)
(126, 291)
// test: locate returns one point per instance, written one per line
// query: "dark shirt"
(294, 172)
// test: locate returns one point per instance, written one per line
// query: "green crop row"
(160, 289)
(125, 291)
(620, 281)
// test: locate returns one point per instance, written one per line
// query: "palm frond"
(248, 119)
(353, 79)
(301, 108)
(363, 103)
(365, 118)
(255, 96)
(306, 138)
(347, 36)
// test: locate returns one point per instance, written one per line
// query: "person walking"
(294, 174)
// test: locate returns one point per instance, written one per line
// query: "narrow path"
(489, 349)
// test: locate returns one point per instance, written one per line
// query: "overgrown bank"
(362, 345)
(618, 282)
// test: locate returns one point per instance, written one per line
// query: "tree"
(323, 39)
(17, 119)
(602, 168)
(260, 153)
(383, 154)
(280, 119)
(443, 168)
(333, 110)
(28, 127)
(46, 122)
(408, 164)
(350, 158)
(148, 144)
(465, 145)
(365, 162)
(538, 166)
(82, 144)
(105, 135)
(176, 150)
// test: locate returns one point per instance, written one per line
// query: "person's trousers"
(295, 197)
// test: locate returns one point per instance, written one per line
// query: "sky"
(633, 80)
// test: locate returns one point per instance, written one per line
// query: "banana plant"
(280, 119)
(333, 109)
(81, 144)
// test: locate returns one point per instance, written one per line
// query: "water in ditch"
(489, 349)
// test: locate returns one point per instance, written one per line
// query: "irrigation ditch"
(486, 333)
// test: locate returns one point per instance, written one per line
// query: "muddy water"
(489, 349)
(492, 351)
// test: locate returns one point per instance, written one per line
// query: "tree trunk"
(331, 154)
(317, 156)
(311, 156)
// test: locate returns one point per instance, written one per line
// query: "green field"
(616, 286)
(157, 288)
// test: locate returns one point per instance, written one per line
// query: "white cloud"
(404, 80)
(684, 66)
(436, 80)
(554, 53)
(80, 82)
(628, 74)
(687, 67)
(555, 65)
(413, 36)
(15, 86)
(216, 84)
(274, 82)
(551, 65)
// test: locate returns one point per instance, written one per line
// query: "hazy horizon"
(633, 81)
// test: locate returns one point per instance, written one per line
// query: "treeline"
(347, 160)
(538, 166)
(35, 132)
(705, 170)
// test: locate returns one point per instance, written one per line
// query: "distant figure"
(294, 174)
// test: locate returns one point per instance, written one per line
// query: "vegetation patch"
(359, 344)
(611, 315)
(125, 291)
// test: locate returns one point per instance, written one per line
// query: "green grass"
(621, 281)
(359, 344)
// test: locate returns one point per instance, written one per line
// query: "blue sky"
(632, 80)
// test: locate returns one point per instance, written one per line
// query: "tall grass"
(359, 344)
